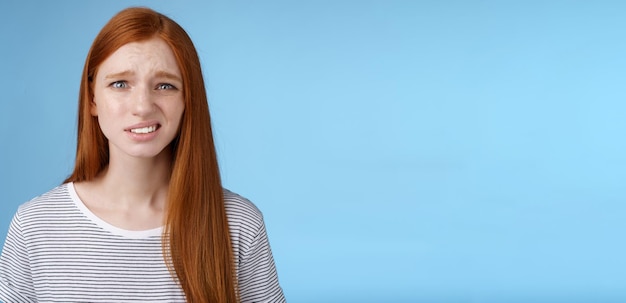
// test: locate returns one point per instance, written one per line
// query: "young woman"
(143, 217)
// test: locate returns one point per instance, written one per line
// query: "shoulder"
(245, 221)
(240, 210)
(55, 200)
(47, 206)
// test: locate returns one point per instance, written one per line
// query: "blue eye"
(119, 84)
(165, 86)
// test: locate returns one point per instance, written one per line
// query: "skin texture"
(138, 87)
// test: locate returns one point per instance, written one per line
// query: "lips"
(143, 128)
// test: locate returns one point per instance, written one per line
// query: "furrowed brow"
(164, 74)
(123, 74)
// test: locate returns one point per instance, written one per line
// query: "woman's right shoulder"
(50, 201)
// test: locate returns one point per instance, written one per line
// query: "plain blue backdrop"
(401, 151)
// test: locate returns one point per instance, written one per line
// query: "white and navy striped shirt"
(57, 250)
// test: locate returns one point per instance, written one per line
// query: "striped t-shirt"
(57, 250)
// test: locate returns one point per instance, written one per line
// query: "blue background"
(401, 151)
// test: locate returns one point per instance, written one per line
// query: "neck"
(137, 181)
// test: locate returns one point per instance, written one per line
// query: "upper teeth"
(143, 130)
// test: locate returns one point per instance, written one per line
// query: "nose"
(142, 101)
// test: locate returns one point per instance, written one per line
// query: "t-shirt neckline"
(134, 234)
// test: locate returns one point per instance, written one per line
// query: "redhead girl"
(143, 217)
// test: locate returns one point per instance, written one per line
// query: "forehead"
(143, 57)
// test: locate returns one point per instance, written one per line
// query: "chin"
(145, 153)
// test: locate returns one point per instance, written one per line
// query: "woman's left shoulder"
(240, 209)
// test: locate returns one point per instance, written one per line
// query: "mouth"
(144, 130)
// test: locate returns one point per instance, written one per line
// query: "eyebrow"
(159, 74)
(164, 74)
(119, 75)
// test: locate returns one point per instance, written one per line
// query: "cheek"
(108, 114)
(176, 111)
(109, 104)
(106, 110)
(179, 120)
(99, 105)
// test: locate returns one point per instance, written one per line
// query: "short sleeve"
(16, 284)
(258, 280)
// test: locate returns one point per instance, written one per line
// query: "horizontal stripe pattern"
(56, 250)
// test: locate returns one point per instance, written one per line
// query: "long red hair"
(196, 239)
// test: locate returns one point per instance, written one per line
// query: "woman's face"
(138, 99)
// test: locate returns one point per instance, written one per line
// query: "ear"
(93, 109)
